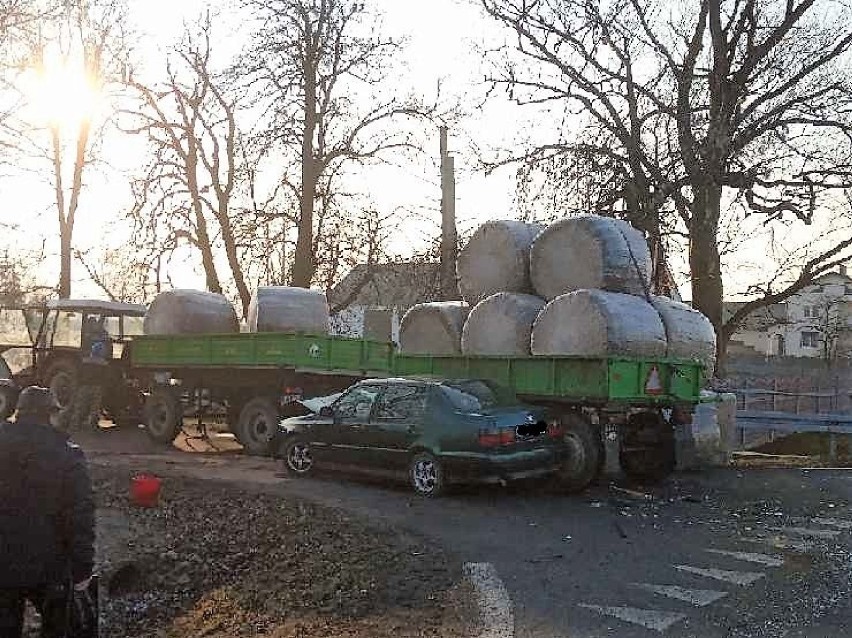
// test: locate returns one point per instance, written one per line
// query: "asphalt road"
(761, 553)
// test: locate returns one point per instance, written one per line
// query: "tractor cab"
(53, 343)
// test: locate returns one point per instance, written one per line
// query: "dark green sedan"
(433, 432)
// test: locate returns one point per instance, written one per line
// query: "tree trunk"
(64, 261)
(704, 262)
(234, 262)
(303, 263)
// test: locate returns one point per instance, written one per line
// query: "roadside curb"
(496, 615)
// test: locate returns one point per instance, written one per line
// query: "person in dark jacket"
(47, 527)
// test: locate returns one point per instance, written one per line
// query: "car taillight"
(555, 430)
(495, 437)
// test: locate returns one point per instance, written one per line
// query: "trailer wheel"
(8, 399)
(647, 447)
(257, 425)
(582, 452)
(163, 415)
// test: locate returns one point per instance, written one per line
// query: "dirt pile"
(212, 560)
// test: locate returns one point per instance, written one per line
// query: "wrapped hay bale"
(496, 259)
(689, 333)
(598, 323)
(176, 312)
(433, 328)
(501, 324)
(588, 252)
(286, 309)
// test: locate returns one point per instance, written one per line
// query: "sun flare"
(62, 93)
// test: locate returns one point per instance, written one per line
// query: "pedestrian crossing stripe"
(697, 597)
(750, 557)
(725, 575)
(648, 618)
(833, 522)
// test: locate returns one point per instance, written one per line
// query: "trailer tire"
(163, 415)
(257, 425)
(647, 447)
(582, 449)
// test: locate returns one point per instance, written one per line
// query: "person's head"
(37, 404)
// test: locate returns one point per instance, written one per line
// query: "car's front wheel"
(297, 457)
(426, 474)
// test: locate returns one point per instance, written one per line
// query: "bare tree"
(81, 38)
(190, 123)
(686, 108)
(324, 68)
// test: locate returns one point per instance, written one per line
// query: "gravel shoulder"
(216, 559)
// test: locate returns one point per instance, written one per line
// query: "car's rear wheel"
(257, 425)
(426, 474)
(297, 456)
(582, 451)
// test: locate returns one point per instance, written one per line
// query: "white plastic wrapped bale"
(433, 328)
(598, 323)
(177, 312)
(286, 309)
(689, 333)
(496, 259)
(501, 324)
(587, 252)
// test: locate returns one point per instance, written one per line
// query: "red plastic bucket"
(144, 490)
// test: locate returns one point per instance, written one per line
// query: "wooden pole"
(449, 236)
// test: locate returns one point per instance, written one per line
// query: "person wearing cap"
(47, 526)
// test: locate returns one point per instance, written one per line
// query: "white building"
(815, 322)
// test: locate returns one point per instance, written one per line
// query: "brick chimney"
(843, 270)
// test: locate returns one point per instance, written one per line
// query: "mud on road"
(216, 559)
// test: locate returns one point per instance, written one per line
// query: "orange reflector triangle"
(653, 385)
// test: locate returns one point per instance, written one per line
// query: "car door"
(396, 424)
(347, 437)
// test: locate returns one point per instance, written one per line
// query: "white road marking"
(497, 620)
(750, 557)
(805, 531)
(833, 522)
(737, 578)
(779, 542)
(697, 597)
(648, 618)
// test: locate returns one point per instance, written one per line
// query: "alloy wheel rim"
(425, 476)
(299, 459)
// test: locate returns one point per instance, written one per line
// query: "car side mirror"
(327, 411)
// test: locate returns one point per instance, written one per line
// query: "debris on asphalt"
(212, 560)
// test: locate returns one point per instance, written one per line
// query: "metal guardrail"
(789, 422)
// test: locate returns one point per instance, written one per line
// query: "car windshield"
(475, 395)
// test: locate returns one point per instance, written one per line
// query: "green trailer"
(255, 377)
